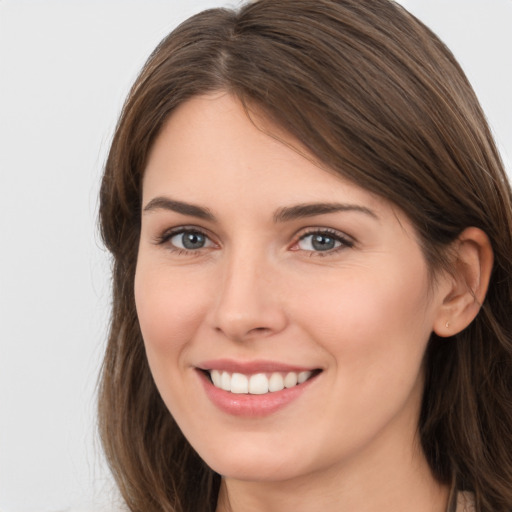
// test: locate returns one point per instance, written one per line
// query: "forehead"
(212, 148)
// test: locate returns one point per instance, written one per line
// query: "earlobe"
(468, 282)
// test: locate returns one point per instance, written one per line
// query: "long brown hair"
(376, 97)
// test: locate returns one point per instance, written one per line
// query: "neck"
(402, 483)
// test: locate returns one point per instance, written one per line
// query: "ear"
(472, 263)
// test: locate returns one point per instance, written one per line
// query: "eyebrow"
(165, 203)
(284, 214)
(312, 209)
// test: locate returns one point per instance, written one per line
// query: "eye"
(187, 240)
(323, 241)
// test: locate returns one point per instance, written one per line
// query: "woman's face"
(258, 268)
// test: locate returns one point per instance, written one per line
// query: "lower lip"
(252, 406)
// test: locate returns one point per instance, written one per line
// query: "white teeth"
(303, 377)
(276, 382)
(239, 383)
(290, 380)
(216, 378)
(259, 383)
(225, 381)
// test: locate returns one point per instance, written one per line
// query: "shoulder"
(465, 502)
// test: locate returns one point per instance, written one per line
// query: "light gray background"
(65, 67)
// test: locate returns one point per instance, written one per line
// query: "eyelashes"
(190, 240)
(322, 241)
(185, 240)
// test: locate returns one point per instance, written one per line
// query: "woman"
(311, 230)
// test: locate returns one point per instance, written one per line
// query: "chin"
(257, 470)
(254, 461)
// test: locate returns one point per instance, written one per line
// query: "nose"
(248, 304)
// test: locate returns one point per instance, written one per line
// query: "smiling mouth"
(258, 383)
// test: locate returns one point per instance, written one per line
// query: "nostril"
(240, 323)
(259, 330)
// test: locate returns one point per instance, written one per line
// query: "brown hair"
(376, 97)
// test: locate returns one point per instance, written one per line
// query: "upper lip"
(251, 367)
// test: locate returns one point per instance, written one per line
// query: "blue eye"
(190, 240)
(322, 241)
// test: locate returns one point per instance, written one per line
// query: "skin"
(361, 312)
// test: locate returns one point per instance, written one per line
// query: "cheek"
(376, 337)
(373, 324)
(170, 307)
(388, 299)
